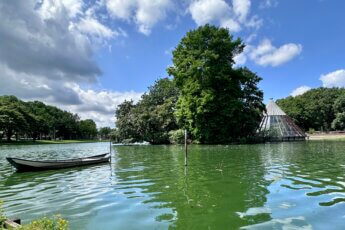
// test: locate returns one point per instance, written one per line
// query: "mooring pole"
(185, 147)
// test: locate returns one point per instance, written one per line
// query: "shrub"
(311, 131)
(2, 215)
(55, 223)
(176, 136)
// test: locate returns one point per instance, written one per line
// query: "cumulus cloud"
(99, 105)
(40, 40)
(232, 17)
(47, 51)
(206, 11)
(241, 9)
(145, 13)
(334, 79)
(266, 54)
(300, 90)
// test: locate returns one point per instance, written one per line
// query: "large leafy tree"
(151, 118)
(13, 116)
(214, 95)
(156, 111)
(104, 132)
(126, 122)
(88, 129)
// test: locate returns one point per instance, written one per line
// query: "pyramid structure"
(276, 125)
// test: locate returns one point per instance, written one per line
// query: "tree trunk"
(9, 135)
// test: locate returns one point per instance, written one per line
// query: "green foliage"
(151, 118)
(311, 131)
(105, 132)
(126, 122)
(37, 120)
(88, 129)
(339, 103)
(55, 223)
(2, 215)
(176, 136)
(315, 109)
(217, 103)
(339, 121)
(13, 116)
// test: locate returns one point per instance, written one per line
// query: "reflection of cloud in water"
(286, 205)
(254, 211)
(293, 223)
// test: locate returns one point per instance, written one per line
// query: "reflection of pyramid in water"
(276, 125)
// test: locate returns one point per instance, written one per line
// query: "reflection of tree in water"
(218, 186)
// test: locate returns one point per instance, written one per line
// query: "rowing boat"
(31, 165)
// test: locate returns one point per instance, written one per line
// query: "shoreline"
(49, 142)
(327, 136)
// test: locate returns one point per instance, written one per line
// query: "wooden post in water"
(185, 147)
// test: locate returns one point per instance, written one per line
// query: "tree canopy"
(37, 120)
(151, 118)
(207, 95)
(316, 109)
(218, 103)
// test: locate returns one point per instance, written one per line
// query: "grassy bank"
(43, 142)
(332, 137)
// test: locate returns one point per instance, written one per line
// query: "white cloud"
(241, 58)
(93, 27)
(207, 11)
(145, 13)
(99, 105)
(254, 22)
(241, 9)
(121, 9)
(268, 4)
(53, 8)
(231, 25)
(300, 90)
(47, 53)
(334, 79)
(266, 54)
(231, 16)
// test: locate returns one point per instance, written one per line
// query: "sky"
(88, 56)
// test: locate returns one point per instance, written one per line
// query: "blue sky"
(89, 56)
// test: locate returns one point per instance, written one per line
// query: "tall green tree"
(126, 122)
(212, 99)
(152, 117)
(13, 116)
(88, 129)
(104, 132)
(156, 111)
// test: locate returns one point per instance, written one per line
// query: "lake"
(266, 186)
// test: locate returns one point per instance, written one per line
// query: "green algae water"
(266, 186)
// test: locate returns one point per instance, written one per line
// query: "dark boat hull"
(30, 165)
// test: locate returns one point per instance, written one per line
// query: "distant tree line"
(320, 109)
(215, 101)
(35, 120)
